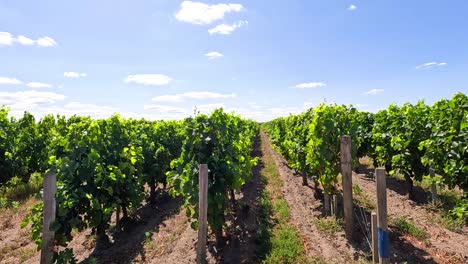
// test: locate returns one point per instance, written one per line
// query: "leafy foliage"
(408, 139)
(223, 142)
(311, 141)
(101, 165)
(446, 149)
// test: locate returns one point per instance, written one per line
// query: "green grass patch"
(448, 221)
(329, 225)
(286, 246)
(407, 227)
(281, 209)
(279, 241)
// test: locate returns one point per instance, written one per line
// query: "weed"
(286, 246)
(364, 201)
(407, 227)
(448, 221)
(148, 236)
(329, 225)
(357, 190)
(26, 253)
(281, 210)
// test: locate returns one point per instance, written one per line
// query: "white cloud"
(6, 80)
(203, 14)
(89, 109)
(352, 7)
(254, 105)
(310, 103)
(168, 98)
(13, 81)
(374, 91)
(360, 105)
(149, 79)
(285, 111)
(166, 109)
(249, 114)
(25, 41)
(207, 95)
(191, 95)
(30, 98)
(207, 108)
(46, 42)
(310, 85)
(74, 74)
(38, 85)
(224, 29)
(80, 109)
(6, 38)
(214, 55)
(430, 65)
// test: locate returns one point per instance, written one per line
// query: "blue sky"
(158, 59)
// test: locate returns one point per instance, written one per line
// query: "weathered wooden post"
(382, 230)
(326, 204)
(435, 196)
(346, 175)
(50, 188)
(375, 249)
(202, 213)
(334, 205)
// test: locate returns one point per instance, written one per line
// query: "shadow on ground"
(242, 242)
(400, 249)
(129, 243)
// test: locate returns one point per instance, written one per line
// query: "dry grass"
(160, 243)
(367, 161)
(329, 225)
(26, 253)
(15, 245)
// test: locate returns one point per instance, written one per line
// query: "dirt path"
(304, 208)
(15, 244)
(444, 246)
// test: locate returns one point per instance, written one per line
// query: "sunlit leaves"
(222, 141)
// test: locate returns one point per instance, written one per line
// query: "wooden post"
(435, 196)
(202, 213)
(346, 175)
(334, 205)
(382, 229)
(375, 249)
(326, 204)
(50, 187)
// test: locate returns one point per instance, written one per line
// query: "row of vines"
(410, 140)
(111, 165)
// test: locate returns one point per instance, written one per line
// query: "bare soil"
(442, 245)
(304, 208)
(15, 244)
